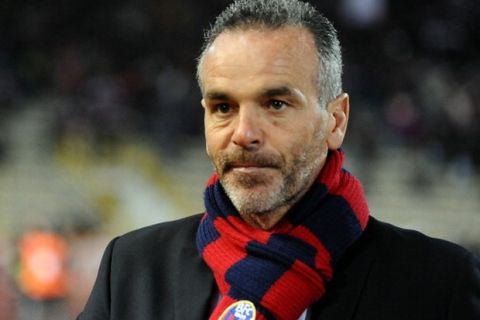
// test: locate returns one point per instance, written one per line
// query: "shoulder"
(176, 229)
(423, 277)
(157, 262)
(158, 239)
(404, 243)
(409, 257)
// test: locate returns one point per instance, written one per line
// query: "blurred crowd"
(127, 68)
(49, 273)
(123, 69)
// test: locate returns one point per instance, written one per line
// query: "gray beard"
(273, 196)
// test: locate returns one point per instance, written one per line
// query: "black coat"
(389, 273)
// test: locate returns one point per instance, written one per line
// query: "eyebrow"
(278, 91)
(217, 95)
(268, 93)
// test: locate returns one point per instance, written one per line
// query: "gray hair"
(275, 14)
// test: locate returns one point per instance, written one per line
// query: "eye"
(277, 104)
(222, 108)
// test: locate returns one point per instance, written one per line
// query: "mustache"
(230, 160)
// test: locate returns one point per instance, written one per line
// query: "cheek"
(210, 148)
(207, 149)
(213, 142)
(208, 141)
(291, 147)
(308, 143)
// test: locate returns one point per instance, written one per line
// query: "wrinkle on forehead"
(246, 48)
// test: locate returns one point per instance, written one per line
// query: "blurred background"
(101, 128)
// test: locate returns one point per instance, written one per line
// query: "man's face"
(265, 131)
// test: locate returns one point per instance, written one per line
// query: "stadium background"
(101, 126)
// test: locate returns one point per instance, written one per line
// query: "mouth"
(248, 168)
(246, 163)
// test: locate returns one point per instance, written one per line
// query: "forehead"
(288, 53)
(267, 35)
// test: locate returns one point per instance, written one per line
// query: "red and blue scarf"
(282, 271)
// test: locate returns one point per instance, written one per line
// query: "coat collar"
(195, 286)
(350, 277)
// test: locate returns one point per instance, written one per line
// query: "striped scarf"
(277, 274)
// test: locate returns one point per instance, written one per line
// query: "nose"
(247, 133)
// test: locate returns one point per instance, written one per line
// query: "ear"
(204, 106)
(338, 111)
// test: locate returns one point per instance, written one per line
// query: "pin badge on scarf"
(240, 310)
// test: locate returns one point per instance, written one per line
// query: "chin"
(256, 199)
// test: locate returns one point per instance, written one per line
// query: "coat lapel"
(195, 283)
(194, 286)
(344, 292)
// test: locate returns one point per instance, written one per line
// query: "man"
(287, 232)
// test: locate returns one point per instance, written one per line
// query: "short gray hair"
(275, 14)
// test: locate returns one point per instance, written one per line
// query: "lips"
(247, 165)
(249, 168)
(249, 162)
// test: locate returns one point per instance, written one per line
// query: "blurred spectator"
(363, 13)
(43, 273)
(403, 116)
